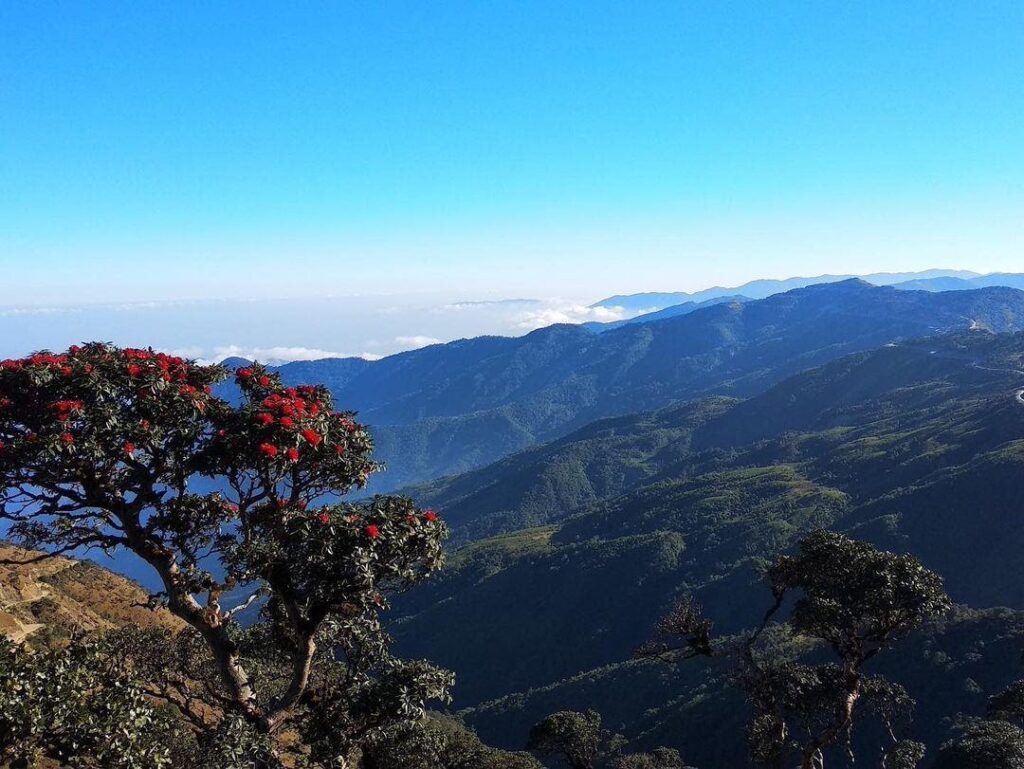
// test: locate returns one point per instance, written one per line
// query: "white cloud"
(415, 342)
(570, 313)
(12, 312)
(185, 352)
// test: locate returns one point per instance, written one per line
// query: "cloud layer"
(570, 313)
(281, 331)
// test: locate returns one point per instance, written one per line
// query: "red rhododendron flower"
(264, 381)
(372, 531)
(134, 370)
(339, 449)
(68, 439)
(287, 422)
(244, 373)
(293, 454)
(430, 515)
(268, 449)
(264, 418)
(312, 436)
(324, 518)
(129, 448)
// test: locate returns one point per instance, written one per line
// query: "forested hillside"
(915, 447)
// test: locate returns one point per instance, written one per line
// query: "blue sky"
(257, 149)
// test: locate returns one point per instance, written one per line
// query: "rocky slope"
(58, 596)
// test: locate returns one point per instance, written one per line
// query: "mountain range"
(450, 408)
(590, 475)
(927, 280)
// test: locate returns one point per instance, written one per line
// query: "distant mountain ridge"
(669, 312)
(926, 280)
(451, 407)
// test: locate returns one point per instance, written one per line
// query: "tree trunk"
(812, 756)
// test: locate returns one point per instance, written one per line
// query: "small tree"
(577, 737)
(905, 754)
(130, 449)
(856, 599)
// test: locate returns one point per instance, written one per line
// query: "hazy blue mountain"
(235, 363)
(1011, 280)
(935, 284)
(759, 289)
(669, 312)
(453, 407)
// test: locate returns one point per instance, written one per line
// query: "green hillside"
(915, 447)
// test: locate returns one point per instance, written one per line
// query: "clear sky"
(194, 149)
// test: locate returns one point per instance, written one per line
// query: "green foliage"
(1008, 705)
(576, 737)
(77, 705)
(234, 744)
(906, 754)
(440, 743)
(984, 745)
(854, 597)
(662, 758)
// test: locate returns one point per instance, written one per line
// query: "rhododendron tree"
(235, 506)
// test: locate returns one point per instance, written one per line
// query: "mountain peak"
(235, 362)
